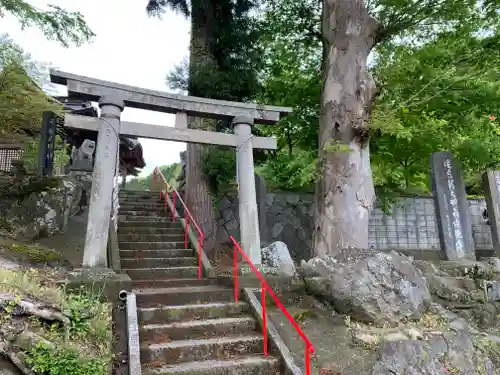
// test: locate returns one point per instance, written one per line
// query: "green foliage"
(20, 189)
(224, 56)
(219, 168)
(436, 97)
(46, 360)
(171, 172)
(56, 23)
(298, 171)
(22, 102)
(32, 147)
(436, 68)
(291, 74)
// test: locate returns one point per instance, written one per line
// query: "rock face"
(278, 257)
(449, 353)
(42, 213)
(384, 287)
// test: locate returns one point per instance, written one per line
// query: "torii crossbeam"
(112, 99)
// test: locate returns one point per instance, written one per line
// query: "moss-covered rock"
(39, 207)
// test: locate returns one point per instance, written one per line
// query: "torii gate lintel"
(112, 99)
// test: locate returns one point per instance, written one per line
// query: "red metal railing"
(188, 217)
(265, 288)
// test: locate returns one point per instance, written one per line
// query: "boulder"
(385, 287)
(451, 352)
(277, 257)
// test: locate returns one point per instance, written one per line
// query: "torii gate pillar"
(249, 219)
(96, 239)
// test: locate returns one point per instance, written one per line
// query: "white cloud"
(129, 48)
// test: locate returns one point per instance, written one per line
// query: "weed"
(62, 361)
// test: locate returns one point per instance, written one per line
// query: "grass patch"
(36, 254)
(87, 349)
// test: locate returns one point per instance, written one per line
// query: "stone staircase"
(186, 326)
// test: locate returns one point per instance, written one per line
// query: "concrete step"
(151, 201)
(142, 207)
(124, 245)
(150, 222)
(172, 283)
(140, 197)
(254, 365)
(145, 203)
(170, 314)
(201, 350)
(142, 212)
(138, 192)
(150, 297)
(155, 253)
(146, 237)
(197, 329)
(162, 273)
(173, 229)
(159, 262)
(148, 218)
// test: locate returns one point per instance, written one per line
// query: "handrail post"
(174, 199)
(264, 316)
(200, 249)
(165, 200)
(308, 360)
(264, 289)
(235, 256)
(186, 233)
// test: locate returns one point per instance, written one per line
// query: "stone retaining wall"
(289, 218)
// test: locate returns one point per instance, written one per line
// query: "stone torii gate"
(113, 97)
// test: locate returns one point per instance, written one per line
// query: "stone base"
(100, 280)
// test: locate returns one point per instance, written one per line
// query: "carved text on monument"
(455, 223)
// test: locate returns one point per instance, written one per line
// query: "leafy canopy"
(55, 23)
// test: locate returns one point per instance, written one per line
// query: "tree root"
(17, 306)
(8, 351)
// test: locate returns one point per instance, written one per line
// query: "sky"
(129, 48)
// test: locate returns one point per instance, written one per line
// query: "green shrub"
(218, 166)
(297, 171)
(63, 360)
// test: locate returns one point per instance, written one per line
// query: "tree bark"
(345, 192)
(197, 194)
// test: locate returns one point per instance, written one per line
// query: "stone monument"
(491, 185)
(452, 208)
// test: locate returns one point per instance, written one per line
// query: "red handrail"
(188, 217)
(265, 287)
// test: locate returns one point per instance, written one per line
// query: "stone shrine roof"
(131, 155)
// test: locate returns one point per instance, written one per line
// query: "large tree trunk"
(196, 189)
(345, 193)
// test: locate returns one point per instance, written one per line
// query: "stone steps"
(141, 206)
(198, 329)
(151, 230)
(156, 253)
(161, 273)
(180, 351)
(171, 283)
(148, 297)
(153, 315)
(255, 365)
(147, 237)
(138, 263)
(149, 219)
(150, 222)
(187, 326)
(151, 245)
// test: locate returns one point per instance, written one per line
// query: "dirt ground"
(330, 336)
